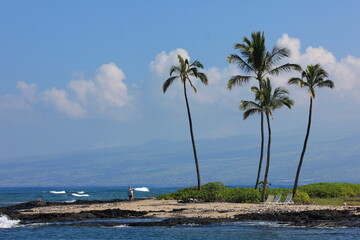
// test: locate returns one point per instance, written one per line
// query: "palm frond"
(182, 62)
(250, 112)
(288, 67)
(197, 64)
(193, 71)
(278, 53)
(168, 82)
(203, 78)
(242, 64)
(327, 83)
(192, 85)
(297, 81)
(175, 69)
(245, 105)
(312, 92)
(237, 80)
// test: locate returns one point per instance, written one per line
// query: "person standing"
(131, 194)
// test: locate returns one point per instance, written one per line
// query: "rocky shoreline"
(175, 214)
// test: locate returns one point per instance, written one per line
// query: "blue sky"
(78, 75)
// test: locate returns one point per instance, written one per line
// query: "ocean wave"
(80, 195)
(81, 192)
(121, 226)
(70, 201)
(57, 192)
(6, 222)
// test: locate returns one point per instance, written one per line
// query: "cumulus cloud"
(345, 72)
(28, 90)
(163, 61)
(60, 99)
(103, 94)
(111, 88)
(13, 102)
(106, 90)
(214, 92)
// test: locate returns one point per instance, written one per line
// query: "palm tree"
(267, 101)
(314, 76)
(184, 71)
(257, 60)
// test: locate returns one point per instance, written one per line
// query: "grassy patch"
(329, 201)
(350, 201)
(353, 201)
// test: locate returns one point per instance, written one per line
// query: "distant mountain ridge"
(232, 160)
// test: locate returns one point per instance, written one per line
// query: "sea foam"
(6, 222)
(57, 192)
(80, 195)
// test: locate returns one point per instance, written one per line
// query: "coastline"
(173, 213)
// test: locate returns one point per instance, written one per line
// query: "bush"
(302, 197)
(216, 191)
(331, 190)
(208, 193)
(240, 195)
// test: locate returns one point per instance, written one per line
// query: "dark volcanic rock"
(171, 222)
(318, 218)
(69, 217)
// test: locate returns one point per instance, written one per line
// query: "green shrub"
(210, 192)
(216, 191)
(240, 195)
(331, 190)
(302, 197)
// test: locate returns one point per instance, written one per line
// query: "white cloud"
(163, 61)
(345, 73)
(13, 102)
(107, 89)
(111, 88)
(83, 89)
(215, 92)
(59, 98)
(28, 90)
(103, 94)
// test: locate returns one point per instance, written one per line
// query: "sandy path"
(171, 208)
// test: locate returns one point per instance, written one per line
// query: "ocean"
(11, 229)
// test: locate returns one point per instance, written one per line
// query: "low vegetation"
(319, 193)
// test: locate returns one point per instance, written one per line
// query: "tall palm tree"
(257, 62)
(267, 101)
(184, 71)
(314, 76)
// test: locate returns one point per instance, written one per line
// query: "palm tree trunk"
(261, 151)
(192, 137)
(267, 159)
(303, 151)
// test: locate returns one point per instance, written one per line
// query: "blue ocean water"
(11, 196)
(10, 229)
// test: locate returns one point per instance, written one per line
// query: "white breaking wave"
(142, 189)
(121, 226)
(58, 192)
(81, 192)
(80, 195)
(6, 222)
(70, 201)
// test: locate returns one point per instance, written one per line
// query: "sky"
(81, 75)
